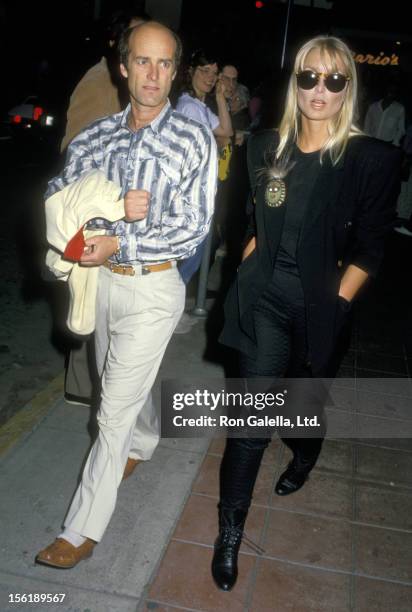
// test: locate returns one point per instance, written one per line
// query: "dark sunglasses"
(334, 82)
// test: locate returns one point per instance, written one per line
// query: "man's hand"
(98, 249)
(136, 204)
(239, 138)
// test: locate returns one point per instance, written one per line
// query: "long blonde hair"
(341, 127)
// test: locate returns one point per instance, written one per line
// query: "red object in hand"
(75, 247)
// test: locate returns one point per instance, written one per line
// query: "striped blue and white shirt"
(174, 158)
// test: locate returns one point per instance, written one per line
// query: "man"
(166, 165)
(238, 97)
(229, 76)
(385, 119)
(233, 184)
(99, 93)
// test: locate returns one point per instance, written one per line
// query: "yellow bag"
(225, 153)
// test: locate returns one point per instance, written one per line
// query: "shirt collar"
(158, 122)
(197, 100)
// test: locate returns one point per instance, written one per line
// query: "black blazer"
(350, 209)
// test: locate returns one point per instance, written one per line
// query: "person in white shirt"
(404, 208)
(385, 118)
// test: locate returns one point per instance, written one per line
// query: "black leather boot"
(224, 563)
(297, 472)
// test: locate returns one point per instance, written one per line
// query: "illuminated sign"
(376, 60)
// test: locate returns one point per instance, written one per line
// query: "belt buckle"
(145, 271)
(128, 271)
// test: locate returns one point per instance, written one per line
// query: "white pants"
(135, 318)
(146, 432)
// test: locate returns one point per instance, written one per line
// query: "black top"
(299, 185)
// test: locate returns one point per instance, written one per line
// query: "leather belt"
(132, 270)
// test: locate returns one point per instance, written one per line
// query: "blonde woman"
(324, 196)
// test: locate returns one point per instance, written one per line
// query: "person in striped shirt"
(166, 165)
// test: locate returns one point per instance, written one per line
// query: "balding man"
(166, 165)
(96, 95)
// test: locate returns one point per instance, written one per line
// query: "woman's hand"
(352, 280)
(249, 248)
(224, 129)
(220, 88)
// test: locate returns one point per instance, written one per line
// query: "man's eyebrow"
(161, 59)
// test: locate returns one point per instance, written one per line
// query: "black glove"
(343, 304)
(342, 318)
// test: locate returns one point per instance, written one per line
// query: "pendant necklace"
(275, 173)
(275, 193)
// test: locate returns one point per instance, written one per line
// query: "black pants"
(280, 327)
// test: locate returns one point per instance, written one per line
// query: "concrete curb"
(31, 415)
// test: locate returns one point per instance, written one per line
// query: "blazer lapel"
(272, 220)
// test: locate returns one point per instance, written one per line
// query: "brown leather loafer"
(130, 467)
(64, 555)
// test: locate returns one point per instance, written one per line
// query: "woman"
(323, 202)
(202, 77)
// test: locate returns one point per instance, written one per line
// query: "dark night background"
(47, 46)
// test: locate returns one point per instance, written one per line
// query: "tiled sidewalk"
(343, 542)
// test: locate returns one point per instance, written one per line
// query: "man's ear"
(123, 71)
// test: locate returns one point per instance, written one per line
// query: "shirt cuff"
(121, 253)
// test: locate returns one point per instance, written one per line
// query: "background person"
(100, 92)
(200, 80)
(233, 193)
(405, 197)
(238, 98)
(385, 119)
